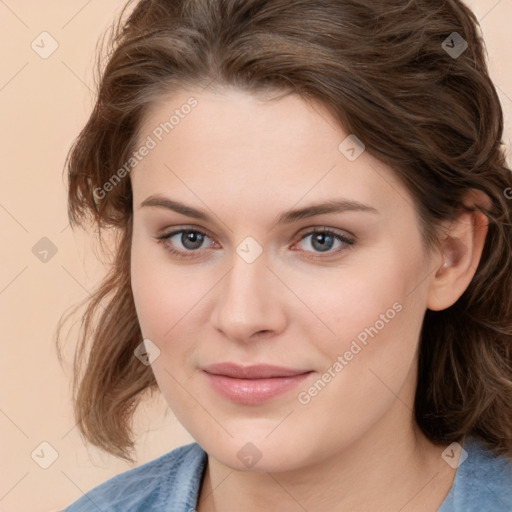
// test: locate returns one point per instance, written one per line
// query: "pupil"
(193, 238)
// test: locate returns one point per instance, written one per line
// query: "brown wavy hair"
(385, 72)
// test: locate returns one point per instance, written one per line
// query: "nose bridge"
(246, 305)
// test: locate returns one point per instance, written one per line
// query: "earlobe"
(462, 243)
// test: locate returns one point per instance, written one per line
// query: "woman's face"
(252, 283)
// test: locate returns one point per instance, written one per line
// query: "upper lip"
(259, 371)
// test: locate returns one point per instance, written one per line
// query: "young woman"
(313, 261)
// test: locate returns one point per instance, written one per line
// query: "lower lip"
(253, 391)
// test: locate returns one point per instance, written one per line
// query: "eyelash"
(192, 253)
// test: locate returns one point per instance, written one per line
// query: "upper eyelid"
(305, 230)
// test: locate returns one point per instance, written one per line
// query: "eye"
(190, 239)
(324, 239)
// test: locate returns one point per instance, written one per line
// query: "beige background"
(44, 103)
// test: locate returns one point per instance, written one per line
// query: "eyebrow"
(287, 217)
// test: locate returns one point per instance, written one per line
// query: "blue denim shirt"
(171, 483)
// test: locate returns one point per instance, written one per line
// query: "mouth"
(252, 385)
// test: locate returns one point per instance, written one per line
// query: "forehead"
(245, 147)
(226, 115)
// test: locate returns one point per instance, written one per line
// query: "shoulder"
(172, 478)
(483, 481)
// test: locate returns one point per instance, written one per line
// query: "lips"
(251, 385)
(260, 371)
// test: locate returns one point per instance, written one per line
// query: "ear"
(462, 243)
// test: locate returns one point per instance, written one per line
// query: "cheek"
(162, 292)
(151, 288)
(161, 312)
(375, 317)
(376, 321)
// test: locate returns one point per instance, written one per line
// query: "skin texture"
(244, 160)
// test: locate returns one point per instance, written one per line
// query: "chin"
(257, 453)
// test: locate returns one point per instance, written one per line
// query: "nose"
(250, 302)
